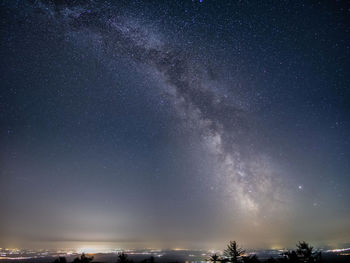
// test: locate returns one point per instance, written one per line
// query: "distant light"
(338, 250)
(93, 250)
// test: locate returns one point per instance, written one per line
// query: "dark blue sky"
(174, 124)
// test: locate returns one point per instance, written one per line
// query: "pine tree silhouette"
(123, 258)
(306, 253)
(214, 258)
(233, 253)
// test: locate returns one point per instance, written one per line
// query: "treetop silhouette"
(123, 258)
(233, 253)
(214, 258)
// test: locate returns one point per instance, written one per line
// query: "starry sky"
(174, 123)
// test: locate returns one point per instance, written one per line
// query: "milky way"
(223, 127)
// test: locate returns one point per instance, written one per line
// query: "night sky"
(174, 123)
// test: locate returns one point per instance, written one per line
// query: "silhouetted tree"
(304, 250)
(233, 253)
(306, 253)
(250, 259)
(122, 258)
(214, 258)
(60, 260)
(290, 256)
(83, 259)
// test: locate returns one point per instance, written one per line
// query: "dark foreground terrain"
(171, 258)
